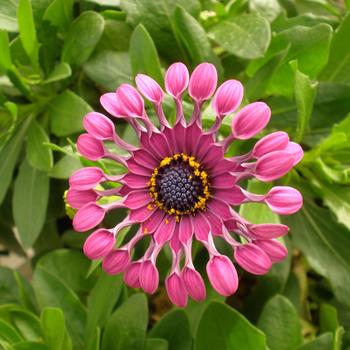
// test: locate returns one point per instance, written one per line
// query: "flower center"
(179, 186)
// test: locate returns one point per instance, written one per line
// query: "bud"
(90, 148)
(274, 249)
(116, 261)
(149, 277)
(284, 200)
(86, 178)
(176, 290)
(149, 88)
(267, 231)
(132, 275)
(296, 151)
(87, 217)
(99, 244)
(99, 126)
(110, 103)
(276, 141)
(130, 101)
(77, 199)
(194, 283)
(203, 82)
(176, 79)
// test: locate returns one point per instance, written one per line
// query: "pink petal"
(142, 214)
(149, 88)
(77, 199)
(152, 223)
(136, 181)
(116, 261)
(89, 147)
(276, 141)
(86, 178)
(99, 244)
(165, 230)
(193, 134)
(224, 181)
(203, 82)
(176, 79)
(99, 126)
(149, 277)
(222, 275)
(176, 290)
(250, 120)
(215, 222)
(204, 145)
(219, 207)
(130, 101)
(284, 200)
(179, 133)
(201, 227)
(138, 169)
(137, 199)
(87, 217)
(175, 243)
(267, 231)
(186, 230)
(221, 167)
(296, 151)
(145, 159)
(233, 196)
(253, 259)
(194, 284)
(110, 103)
(159, 145)
(274, 249)
(228, 97)
(273, 165)
(213, 156)
(132, 275)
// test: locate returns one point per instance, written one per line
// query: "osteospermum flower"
(179, 186)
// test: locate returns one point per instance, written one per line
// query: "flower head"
(180, 187)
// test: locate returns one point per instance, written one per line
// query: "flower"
(180, 187)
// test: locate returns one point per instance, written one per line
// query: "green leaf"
(53, 325)
(27, 323)
(193, 37)
(269, 9)
(8, 19)
(246, 36)
(29, 345)
(60, 14)
(126, 328)
(9, 333)
(51, 291)
(143, 54)
(280, 323)
(323, 342)
(8, 119)
(66, 113)
(338, 66)
(64, 168)
(39, 156)
(175, 328)
(27, 31)
(156, 344)
(224, 328)
(8, 158)
(325, 245)
(82, 38)
(101, 302)
(156, 16)
(109, 69)
(61, 71)
(304, 92)
(5, 56)
(30, 198)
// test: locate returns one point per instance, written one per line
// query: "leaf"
(156, 344)
(280, 323)
(323, 342)
(304, 92)
(156, 16)
(61, 71)
(82, 37)
(126, 328)
(246, 36)
(8, 19)
(224, 328)
(109, 69)
(5, 57)
(66, 113)
(27, 323)
(175, 328)
(60, 14)
(101, 302)
(53, 325)
(30, 198)
(29, 345)
(39, 156)
(269, 9)
(27, 31)
(51, 291)
(324, 245)
(8, 157)
(9, 333)
(8, 119)
(338, 66)
(64, 168)
(143, 54)
(194, 38)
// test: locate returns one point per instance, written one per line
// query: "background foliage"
(58, 56)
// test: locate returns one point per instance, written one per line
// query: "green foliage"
(58, 56)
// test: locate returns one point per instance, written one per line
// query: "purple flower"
(179, 186)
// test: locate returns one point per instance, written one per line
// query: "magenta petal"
(136, 181)
(149, 88)
(145, 159)
(222, 275)
(143, 213)
(130, 101)
(267, 231)
(203, 82)
(152, 223)
(221, 167)
(77, 199)
(175, 243)
(132, 275)
(110, 103)
(186, 230)
(90, 148)
(116, 261)
(204, 145)
(274, 249)
(276, 141)
(296, 151)
(137, 199)
(253, 259)
(165, 230)
(159, 145)
(284, 200)
(138, 169)
(220, 208)
(224, 181)
(201, 227)
(179, 132)
(99, 126)
(233, 196)
(99, 244)
(87, 217)
(149, 277)
(176, 290)
(215, 222)
(86, 178)
(213, 156)
(176, 79)
(194, 284)
(193, 134)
